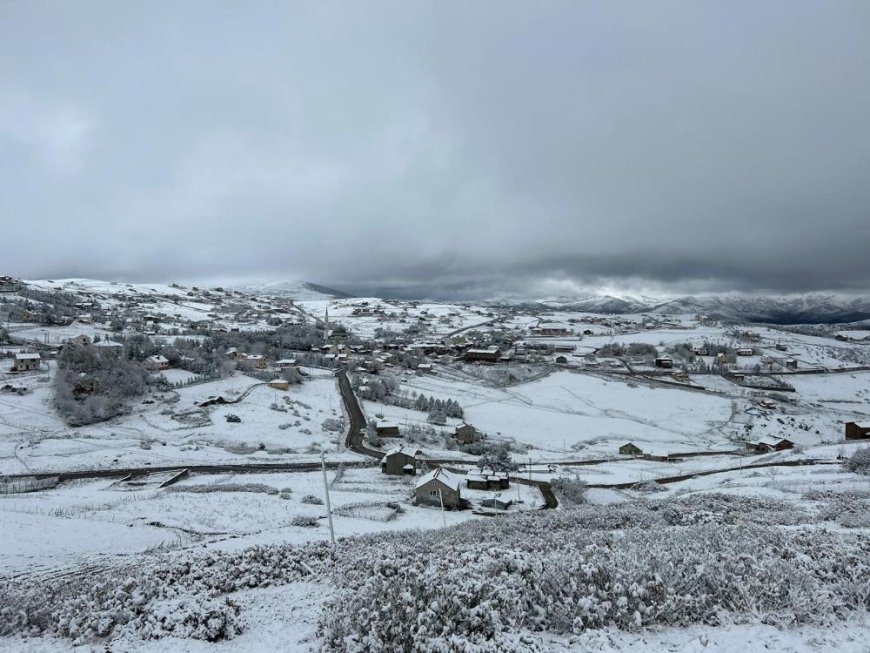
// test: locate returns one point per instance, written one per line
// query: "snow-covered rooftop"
(449, 480)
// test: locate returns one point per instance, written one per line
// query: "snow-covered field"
(172, 429)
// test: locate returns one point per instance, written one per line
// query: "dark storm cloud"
(439, 149)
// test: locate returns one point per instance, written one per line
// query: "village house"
(781, 346)
(257, 360)
(285, 363)
(466, 434)
(791, 364)
(745, 351)
(855, 432)
(665, 362)
(700, 351)
(156, 363)
(561, 360)
(109, 345)
(487, 479)
(26, 362)
(234, 354)
(490, 355)
(80, 340)
(630, 449)
(766, 447)
(400, 460)
(387, 430)
(439, 487)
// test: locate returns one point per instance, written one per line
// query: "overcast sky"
(439, 148)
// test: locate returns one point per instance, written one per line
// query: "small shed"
(466, 434)
(439, 487)
(791, 364)
(665, 362)
(498, 501)
(784, 444)
(561, 360)
(279, 384)
(630, 449)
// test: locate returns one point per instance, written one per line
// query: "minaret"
(326, 321)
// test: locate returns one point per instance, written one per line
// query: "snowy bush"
(859, 462)
(306, 521)
(569, 490)
(332, 424)
(705, 559)
(478, 582)
(312, 499)
(183, 597)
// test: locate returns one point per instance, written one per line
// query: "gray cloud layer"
(465, 147)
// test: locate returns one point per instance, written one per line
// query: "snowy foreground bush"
(466, 588)
(487, 585)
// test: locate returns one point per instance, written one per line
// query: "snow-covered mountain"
(298, 290)
(775, 309)
(794, 309)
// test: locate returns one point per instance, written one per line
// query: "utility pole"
(328, 505)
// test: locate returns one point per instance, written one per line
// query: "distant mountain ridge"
(787, 309)
(299, 290)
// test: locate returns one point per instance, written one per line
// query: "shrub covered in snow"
(487, 585)
(183, 597)
(859, 462)
(569, 490)
(312, 500)
(305, 521)
(478, 582)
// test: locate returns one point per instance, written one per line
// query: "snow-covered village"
(404, 326)
(255, 444)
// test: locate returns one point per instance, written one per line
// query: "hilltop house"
(630, 449)
(24, 362)
(439, 487)
(855, 432)
(400, 460)
(466, 434)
